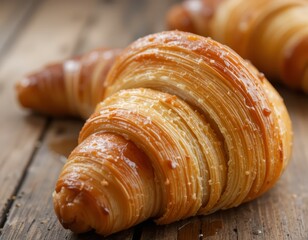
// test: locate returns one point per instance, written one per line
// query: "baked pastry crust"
(69, 88)
(272, 34)
(187, 127)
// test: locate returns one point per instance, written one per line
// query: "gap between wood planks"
(23, 177)
(12, 26)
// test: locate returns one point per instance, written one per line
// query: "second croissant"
(272, 34)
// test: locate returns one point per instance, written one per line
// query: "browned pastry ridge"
(69, 88)
(187, 127)
(272, 34)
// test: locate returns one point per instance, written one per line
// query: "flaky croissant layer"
(69, 88)
(187, 127)
(272, 34)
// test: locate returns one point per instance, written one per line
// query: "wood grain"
(20, 136)
(33, 147)
(13, 17)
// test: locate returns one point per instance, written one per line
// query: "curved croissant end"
(69, 88)
(272, 34)
(187, 127)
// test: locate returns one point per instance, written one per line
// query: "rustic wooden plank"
(293, 188)
(6, 10)
(220, 225)
(164, 232)
(150, 18)
(105, 27)
(117, 23)
(29, 218)
(57, 22)
(14, 14)
(8, 176)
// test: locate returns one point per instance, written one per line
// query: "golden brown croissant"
(272, 34)
(187, 127)
(69, 88)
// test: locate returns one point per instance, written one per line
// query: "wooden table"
(35, 32)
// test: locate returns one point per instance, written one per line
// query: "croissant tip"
(70, 205)
(25, 91)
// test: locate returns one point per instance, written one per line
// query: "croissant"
(187, 127)
(272, 34)
(69, 88)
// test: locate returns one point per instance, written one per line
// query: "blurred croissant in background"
(69, 88)
(186, 127)
(272, 34)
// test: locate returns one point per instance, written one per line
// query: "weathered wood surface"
(35, 32)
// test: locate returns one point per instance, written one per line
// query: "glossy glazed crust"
(69, 88)
(272, 34)
(211, 131)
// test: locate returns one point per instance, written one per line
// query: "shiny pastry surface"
(187, 127)
(272, 34)
(69, 88)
